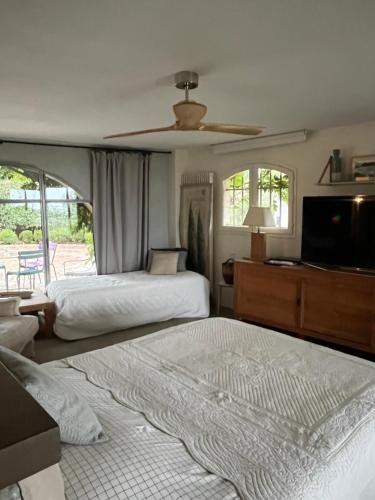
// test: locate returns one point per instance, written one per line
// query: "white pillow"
(9, 306)
(77, 422)
(164, 263)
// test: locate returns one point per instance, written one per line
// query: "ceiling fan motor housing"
(186, 80)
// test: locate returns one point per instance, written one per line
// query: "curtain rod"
(77, 146)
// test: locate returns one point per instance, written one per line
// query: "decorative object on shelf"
(336, 166)
(228, 271)
(258, 217)
(363, 168)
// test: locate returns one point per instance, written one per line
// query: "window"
(45, 230)
(258, 186)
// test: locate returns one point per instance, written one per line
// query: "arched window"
(259, 185)
(45, 230)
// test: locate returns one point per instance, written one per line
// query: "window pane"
(236, 198)
(15, 184)
(273, 192)
(21, 250)
(56, 190)
(70, 240)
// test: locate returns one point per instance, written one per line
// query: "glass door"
(22, 263)
(45, 230)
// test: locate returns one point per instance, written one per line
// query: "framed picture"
(363, 168)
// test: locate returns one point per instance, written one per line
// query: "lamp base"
(258, 246)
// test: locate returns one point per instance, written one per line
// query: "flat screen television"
(339, 231)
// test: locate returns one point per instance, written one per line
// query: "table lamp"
(258, 217)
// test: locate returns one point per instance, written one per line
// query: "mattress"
(93, 305)
(265, 416)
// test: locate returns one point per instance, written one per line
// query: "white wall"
(305, 159)
(72, 165)
(161, 213)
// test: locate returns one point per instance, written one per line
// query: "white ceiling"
(75, 70)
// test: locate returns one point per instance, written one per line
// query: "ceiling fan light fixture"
(189, 114)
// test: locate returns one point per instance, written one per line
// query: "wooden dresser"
(330, 305)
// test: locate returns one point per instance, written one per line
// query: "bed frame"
(29, 437)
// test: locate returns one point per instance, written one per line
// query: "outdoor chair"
(52, 247)
(30, 264)
(4, 269)
(79, 267)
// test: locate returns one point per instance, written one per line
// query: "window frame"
(44, 201)
(253, 179)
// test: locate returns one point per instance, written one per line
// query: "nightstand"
(220, 286)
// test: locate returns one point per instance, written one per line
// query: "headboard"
(29, 437)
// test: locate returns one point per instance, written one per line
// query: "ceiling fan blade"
(230, 129)
(139, 132)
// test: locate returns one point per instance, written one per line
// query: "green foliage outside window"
(236, 198)
(272, 190)
(67, 222)
(8, 237)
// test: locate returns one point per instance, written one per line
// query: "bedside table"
(220, 286)
(40, 303)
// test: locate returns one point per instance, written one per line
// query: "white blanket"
(279, 417)
(136, 461)
(92, 305)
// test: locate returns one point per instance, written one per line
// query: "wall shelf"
(345, 183)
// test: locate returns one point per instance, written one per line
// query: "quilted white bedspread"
(92, 305)
(279, 417)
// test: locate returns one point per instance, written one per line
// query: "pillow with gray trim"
(77, 422)
(164, 263)
(182, 256)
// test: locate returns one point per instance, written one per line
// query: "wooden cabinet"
(331, 305)
(273, 300)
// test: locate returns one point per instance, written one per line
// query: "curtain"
(120, 210)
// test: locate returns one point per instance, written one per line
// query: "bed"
(93, 305)
(217, 409)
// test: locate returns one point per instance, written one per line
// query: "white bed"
(93, 305)
(272, 418)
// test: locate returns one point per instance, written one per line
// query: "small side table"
(38, 303)
(220, 287)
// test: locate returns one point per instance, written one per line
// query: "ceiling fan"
(190, 113)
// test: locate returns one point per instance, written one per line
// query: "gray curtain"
(120, 210)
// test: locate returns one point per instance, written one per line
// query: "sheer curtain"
(120, 210)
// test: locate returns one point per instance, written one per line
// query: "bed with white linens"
(217, 409)
(93, 305)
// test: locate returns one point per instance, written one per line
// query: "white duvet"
(93, 305)
(280, 418)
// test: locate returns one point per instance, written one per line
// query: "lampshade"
(260, 217)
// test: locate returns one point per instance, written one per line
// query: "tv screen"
(339, 231)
